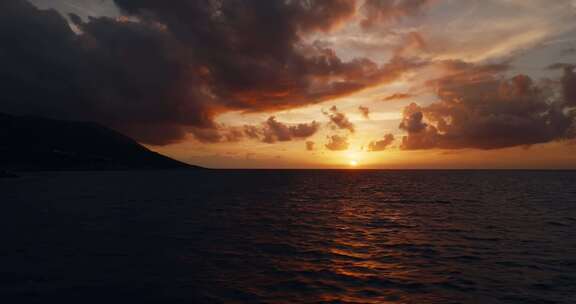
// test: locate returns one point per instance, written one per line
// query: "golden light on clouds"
(332, 91)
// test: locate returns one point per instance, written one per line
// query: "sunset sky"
(303, 83)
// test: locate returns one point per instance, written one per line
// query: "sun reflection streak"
(364, 247)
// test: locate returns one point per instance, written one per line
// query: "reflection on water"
(291, 237)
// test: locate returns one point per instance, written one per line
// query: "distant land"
(40, 144)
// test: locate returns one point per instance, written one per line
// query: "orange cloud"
(396, 96)
(365, 111)
(478, 109)
(337, 143)
(310, 145)
(160, 83)
(339, 119)
(381, 145)
(382, 12)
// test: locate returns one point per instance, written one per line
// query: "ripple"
(425, 237)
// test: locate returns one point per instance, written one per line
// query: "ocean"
(300, 236)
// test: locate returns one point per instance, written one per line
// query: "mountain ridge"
(29, 143)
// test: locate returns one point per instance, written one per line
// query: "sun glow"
(353, 163)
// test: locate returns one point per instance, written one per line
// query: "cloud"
(127, 75)
(386, 11)
(270, 131)
(476, 108)
(222, 134)
(561, 66)
(207, 135)
(310, 146)
(569, 85)
(252, 132)
(274, 131)
(337, 143)
(412, 45)
(568, 82)
(412, 121)
(381, 145)
(365, 111)
(568, 51)
(339, 120)
(397, 96)
(172, 66)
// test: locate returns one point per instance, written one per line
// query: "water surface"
(289, 237)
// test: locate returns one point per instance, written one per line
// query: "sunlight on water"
(294, 237)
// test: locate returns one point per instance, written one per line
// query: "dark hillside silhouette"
(32, 143)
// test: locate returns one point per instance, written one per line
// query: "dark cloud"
(569, 85)
(478, 109)
(339, 120)
(365, 111)
(172, 66)
(283, 18)
(131, 76)
(337, 143)
(271, 131)
(33, 70)
(381, 145)
(561, 66)
(386, 11)
(568, 51)
(251, 50)
(274, 131)
(223, 134)
(412, 119)
(252, 132)
(396, 96)
(310, 146)
(207, 135)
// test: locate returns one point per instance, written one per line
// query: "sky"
(383, 84)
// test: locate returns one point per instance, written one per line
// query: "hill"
(32, 143)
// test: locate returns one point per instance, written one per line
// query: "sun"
(353, 163)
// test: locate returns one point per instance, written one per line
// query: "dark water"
(289, 237)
